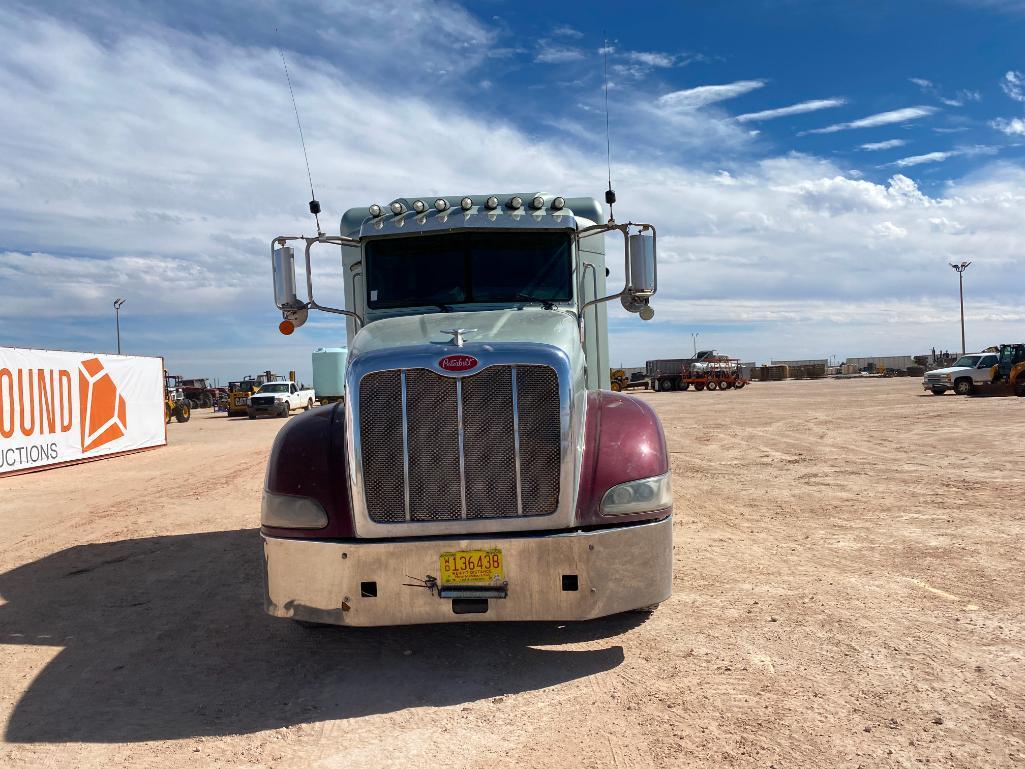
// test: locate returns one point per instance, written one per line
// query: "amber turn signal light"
(286, 327)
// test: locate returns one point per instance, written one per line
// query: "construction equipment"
(175, 403)
(619, 381)
(1009, 373)
(238, 396)
(200, 394)
(705, 371)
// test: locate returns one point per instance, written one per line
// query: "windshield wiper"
(545, 303)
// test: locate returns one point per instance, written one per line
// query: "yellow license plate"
(471, 566)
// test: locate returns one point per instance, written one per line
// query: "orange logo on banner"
(101, 407)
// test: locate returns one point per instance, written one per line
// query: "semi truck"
(479, 468)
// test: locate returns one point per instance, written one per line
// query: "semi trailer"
(479, 468)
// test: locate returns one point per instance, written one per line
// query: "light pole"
(959, 269)
(117, 321)
(694, 341)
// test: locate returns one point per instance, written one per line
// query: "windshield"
(274, 388)
(442, 270)
(968, 361)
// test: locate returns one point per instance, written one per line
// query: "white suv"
(968, 373)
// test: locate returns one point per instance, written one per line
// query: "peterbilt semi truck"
(479, 467)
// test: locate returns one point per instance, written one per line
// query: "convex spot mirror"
(283, 262)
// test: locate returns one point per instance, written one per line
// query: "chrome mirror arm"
(311, 303)
(611, 226)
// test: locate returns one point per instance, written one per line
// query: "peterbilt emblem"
(457, 362)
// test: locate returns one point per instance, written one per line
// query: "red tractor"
(200, 394)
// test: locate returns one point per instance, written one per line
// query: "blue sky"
(812, 166)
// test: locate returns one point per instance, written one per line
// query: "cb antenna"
(610, 194)
(314, 203)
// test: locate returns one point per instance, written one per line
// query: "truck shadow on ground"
(165, 637)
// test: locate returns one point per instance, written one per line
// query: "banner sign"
(58, 407)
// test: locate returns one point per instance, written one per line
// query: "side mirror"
(283, 263)
(643, 277)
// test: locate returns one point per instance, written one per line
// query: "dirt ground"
(848, 592)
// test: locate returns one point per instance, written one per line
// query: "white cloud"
(929, 157)
(794, 109)
(905, 115)
(884, 145)
(651, 58)
(565, 30)
(921, 82)
(174, 161)
(1014, 85)
(1013, 127)
(549, 54)
(702, 95)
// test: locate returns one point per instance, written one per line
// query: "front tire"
(183, 413)
(309, 404)
(964, 387)
(939, 391)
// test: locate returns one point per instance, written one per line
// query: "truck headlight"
(640, 496)
(946, 377)
(284, 511)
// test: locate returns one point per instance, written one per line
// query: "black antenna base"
(314, 207)
(610, 196)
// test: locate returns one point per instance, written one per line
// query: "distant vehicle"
(237, 404)
(200, 394)
(175, 403)
(329, 373)
(279, 399)
(706, 370)
(968, 373)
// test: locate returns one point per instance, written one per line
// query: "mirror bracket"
(627, 296)
(289, 310)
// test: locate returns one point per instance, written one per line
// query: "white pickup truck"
(279, 399)
(967, 374)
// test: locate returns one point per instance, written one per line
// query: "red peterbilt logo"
(457, 362)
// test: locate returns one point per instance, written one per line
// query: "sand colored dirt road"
(848, 592)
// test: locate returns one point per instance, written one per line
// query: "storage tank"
(329, 373)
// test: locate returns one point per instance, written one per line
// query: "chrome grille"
(539, 457)
(433, 441)
(490, 454)
(380, 413)
(437, 448)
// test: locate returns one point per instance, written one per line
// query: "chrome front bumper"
(616, 569)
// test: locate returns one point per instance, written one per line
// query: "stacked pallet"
(774, 373)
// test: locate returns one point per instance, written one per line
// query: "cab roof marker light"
(419, 206)
(376, 210)
(537, 203)
(491, 203)
(558, 203)
(441, 204)
(466, 204)
(515, 202)
(397, 208)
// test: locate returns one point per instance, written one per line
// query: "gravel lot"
(848, 592)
